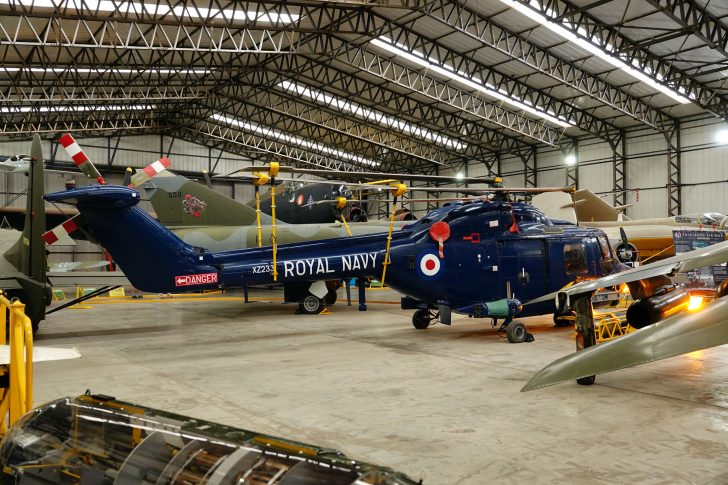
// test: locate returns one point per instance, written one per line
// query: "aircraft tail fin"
(149, 254)
(592, 208)
(28, 254)
(556, 205)
(179, 201)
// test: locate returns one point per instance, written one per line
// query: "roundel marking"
(299, 200)
(430, 265)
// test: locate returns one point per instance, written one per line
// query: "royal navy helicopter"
(480, 258)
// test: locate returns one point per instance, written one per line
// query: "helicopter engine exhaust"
(667, 301)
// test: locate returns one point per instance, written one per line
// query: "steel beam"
(466, 20)
(674, 166)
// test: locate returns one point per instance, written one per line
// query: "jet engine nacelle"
(667, 301)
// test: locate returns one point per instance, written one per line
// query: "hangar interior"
(625, 98)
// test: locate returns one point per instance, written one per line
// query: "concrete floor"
(443, 403)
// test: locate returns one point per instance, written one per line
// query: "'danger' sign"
(195, 279)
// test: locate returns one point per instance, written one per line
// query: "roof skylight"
(279, 135)
(371, 115)
(460, 77)
(156, 9)
(606, 53)
(80, 107)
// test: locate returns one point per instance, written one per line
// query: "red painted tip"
(66, 140)
(101, 180)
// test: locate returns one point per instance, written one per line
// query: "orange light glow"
(695, 303)
(625, 289)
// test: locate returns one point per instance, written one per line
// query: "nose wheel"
(516, 332)
(423, 318)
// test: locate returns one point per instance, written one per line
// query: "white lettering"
(328, 270)
(346, 263)
(300, 268)
(356, 264)
(320, 267)
(373, 256)
(288, 268)
(309, 262)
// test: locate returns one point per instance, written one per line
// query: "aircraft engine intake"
(667, 301)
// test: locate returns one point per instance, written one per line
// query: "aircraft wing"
(679, 334)
(709, 255)
(42, 354)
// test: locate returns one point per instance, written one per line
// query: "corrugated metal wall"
(704, 167)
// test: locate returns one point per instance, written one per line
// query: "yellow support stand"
(343, 219)
(398, 190)
(17, 399)
(274, 167)
(262, 179)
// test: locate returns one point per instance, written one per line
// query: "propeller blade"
(623, 235)
(150, 171)
(207, 179)
(79, 158)
(679, 334)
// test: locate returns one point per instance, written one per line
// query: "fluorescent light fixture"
(459, 176)
(570, 159)
(279, 135)
(370, 114)
(102, 71)
(155, 9)
(81, 107)
(600, 52)
(721, 136)
(415, 57)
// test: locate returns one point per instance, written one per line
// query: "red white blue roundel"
(430, 266)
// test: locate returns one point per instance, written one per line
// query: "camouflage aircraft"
(23, 264)
(205, 218)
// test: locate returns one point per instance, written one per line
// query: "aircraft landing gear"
(311, 305)
(423, 318)
(516, 332)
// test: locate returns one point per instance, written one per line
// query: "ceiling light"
(570, 159)
(593, 48)
(279, 135)
(459, 176)
(370, 114)
(473, 83)
(722, 136)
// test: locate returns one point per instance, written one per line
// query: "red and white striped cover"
(79, 156)
(150, 171)
(59, 231)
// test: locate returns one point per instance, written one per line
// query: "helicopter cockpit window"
(604, 246)
(574, 259)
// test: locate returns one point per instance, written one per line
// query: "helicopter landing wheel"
(565, 319)
(311, 305)
(586, 381)
(422, 319)
(516, 332)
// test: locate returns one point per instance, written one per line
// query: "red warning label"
(195, 279)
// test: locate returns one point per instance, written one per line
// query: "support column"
(571, 148)
(674, 164)
(619, 161)
(528, 158)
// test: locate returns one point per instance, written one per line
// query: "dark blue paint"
(480, 256)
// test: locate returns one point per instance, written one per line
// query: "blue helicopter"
(481, 258)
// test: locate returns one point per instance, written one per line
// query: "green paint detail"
(498, 308)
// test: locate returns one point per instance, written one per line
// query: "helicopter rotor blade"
(379, 175)
(79, 158)
(154, 168)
